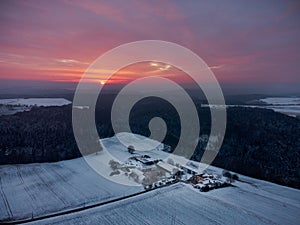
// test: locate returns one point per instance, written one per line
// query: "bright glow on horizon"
(153, 64)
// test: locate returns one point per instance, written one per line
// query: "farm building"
(189, 170)
(137, 175)
(172, 170)
(145, 160)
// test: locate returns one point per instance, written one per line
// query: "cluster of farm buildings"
(153, 172)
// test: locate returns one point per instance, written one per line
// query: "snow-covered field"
(15, 105)
(289, 106)
(12, 109)
(286, 105)
(35, 101)
(36, 189)
(281, 101)
(291, 110)
(180, 204)
(39, 189)
(120, 152)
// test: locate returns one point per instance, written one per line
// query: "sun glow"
(153, 64)
(102, 82)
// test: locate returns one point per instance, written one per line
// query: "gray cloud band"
(105, 66)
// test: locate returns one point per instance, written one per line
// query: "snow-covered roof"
(137, 172)
(190, 168)
(168, 167)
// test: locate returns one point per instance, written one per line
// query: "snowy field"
(120, 152)
(289, 106)
(36, 189)
(291, 110)
(33, 190)
(12, 109)
(181, 204)
(15, 105)
(281, 101)
(35, 101)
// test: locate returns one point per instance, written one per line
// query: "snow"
(288, 106)
(81, 107)
(281, 101)
(36, 101)
(167, 167)
(42, 188)
(289, 110)
(120, 152)
(15, 105)
(39, 189)
(182, 204)
(139, 142)
(10, 110)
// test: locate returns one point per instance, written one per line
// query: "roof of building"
(190, 168)
(168, 167)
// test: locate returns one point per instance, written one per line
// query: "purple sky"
(247, 44)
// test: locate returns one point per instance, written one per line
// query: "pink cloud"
(241, 43)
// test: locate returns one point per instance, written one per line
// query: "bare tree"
(131, 149)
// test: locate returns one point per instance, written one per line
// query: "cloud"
(240, 41)
(71, 61)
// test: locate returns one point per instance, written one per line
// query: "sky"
(249, 45)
